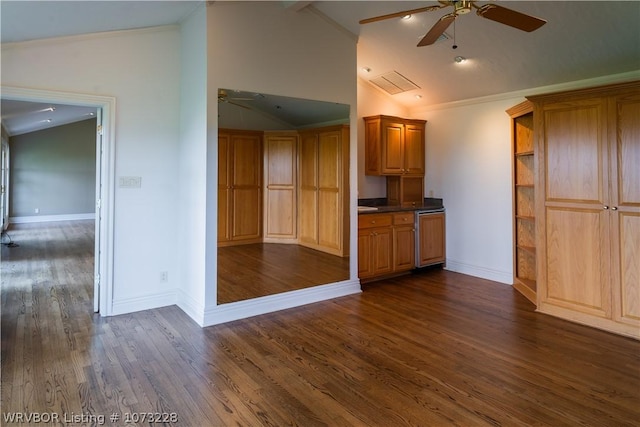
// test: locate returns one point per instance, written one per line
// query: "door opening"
(105, 124)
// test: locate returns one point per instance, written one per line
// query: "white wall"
(371, 102)
(264, 47)
(141, 69)
(192, 164)
(468, 165)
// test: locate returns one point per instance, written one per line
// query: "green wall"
(54, 171)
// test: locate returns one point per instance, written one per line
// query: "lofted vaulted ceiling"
(581, 40)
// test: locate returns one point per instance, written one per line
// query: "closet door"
(224, 188)
(308, 206)
(576, 207)
(246, 187)
(280, 178)
(624, 131)
(329, 200)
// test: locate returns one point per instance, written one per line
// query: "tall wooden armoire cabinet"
(588, 206)
(239, 187)
(323, 214)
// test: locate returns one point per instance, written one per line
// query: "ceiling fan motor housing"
(462, 7)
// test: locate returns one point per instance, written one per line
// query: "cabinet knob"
(605, 207)
(615, 208)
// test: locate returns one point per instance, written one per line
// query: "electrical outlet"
(164, 276)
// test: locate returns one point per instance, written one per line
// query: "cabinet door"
(576, 223)
(307, 214)
(375, 252)
(329, 200)
(280, 162)
(414, 149)
(404, 248)
(224, 188)
(382, 250)
(392, 148)
(246, 187)
(431, 239)
(365, 253)
(624, 131)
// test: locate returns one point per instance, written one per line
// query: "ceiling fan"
(223, 96)
(490, 11)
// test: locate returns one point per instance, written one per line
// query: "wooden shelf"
(524, 225)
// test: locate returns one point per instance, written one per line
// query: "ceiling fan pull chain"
(455, 46)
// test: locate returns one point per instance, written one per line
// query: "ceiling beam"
(295, 5)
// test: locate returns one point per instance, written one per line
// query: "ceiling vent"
(394, 83)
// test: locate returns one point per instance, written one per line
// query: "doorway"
(105, 171)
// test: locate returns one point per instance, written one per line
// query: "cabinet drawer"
(403, 218)
(374, 220)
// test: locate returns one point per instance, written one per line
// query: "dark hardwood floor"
(260, 269)
(430, 349)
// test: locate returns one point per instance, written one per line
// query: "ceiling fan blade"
(400, 14)
(510, 17)
(239, 105)
(436, 31)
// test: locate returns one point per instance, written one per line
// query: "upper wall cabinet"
(394, 146)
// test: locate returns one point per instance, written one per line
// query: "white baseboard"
(191, 307)
(505, 277)
(51, 218)
(130, 305)
(243, 309)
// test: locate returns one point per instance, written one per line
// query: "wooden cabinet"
(375, 245)
(394, 146)
(405, 191)
(588, 218)
(239, 187)
(404, 241)
(386, 244)
(524, 248)
(431, 239)
(280, 186)
(323, 214)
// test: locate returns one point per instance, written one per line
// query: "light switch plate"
(130, 182)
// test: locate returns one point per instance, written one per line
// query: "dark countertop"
(429, 204)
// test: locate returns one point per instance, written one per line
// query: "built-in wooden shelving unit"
(524, 228)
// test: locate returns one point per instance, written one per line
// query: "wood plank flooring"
(256, 270)
(430, 349)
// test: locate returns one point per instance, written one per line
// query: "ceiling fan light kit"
(490, 11)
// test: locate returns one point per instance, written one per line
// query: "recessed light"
(418, 96)
(459, 59)
(406, 17)
(366, 69)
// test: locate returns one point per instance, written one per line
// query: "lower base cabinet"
(386, 244)
(374, 252)
(431, 239)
